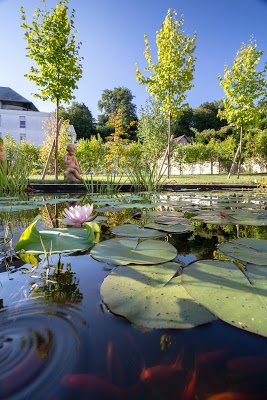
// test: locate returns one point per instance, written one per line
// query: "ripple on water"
(39, 343)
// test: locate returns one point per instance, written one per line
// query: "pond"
(107, 322)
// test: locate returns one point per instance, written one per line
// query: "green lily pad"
(137, 231)
(172, 221)
(177, 228)
(109, 208)
(56, 240)
(165, 213)
(224, 290)
(253, 218)
(122, 251)
(149, 297)
(252, 251)
(17, 207)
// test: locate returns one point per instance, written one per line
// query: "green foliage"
(152, 130)
(244, 87)
(52, 46)
(172, 75)
(80, 117)
(90, 153)
(142, 169)
(113, 100)
(206, 116)
(63, 139)
(20, 162)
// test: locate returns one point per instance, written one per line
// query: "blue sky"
(112, 36)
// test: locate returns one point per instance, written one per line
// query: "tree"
(152, 130)
(206, 116)
(113, 100)
(245, 91)
(172, 75)
(52, 46)
(80, 117)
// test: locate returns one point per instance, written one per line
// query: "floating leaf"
(249, 250)
(224, 290)
(147, 296)
(55, 240)
(131, 230)
(177, 228)
(17, 207)
(122, 251)
(172, 221)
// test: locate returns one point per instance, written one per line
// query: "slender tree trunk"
(56, 140)
(240, 151)
(234, 162)
(169, 143)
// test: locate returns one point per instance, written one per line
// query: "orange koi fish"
(161, 371)
(114, 366)
(236, 396)
(95, 385)
(190, 387)
(210, 356)
(248, 365)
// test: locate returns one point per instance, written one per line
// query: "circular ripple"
(39, 343)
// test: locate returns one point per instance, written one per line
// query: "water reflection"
(59, 341)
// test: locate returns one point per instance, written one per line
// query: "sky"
(112, 37)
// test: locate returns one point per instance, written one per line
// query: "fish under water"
(190, 387)
(248, 365)
(236, 396)
(91, 386)
(161, 372)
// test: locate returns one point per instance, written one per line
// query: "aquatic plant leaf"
(172, 220)
(165, 213)
(109, 208)
(55, 240)
(124, 251)
(17, 207)
(148, 296)
(131, 230)
(177, 228)
(249, 250)
(29, 258)
(136, 205)
(223, 289)
(248, 218)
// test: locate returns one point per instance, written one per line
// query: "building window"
(22, 122)
(22, 137)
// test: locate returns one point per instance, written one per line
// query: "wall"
(10, 124)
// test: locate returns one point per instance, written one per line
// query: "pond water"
(59, 340)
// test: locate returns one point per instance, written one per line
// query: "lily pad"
(172, 220)
(122, 251)
(224, 290)
(246, 249)
(148, 296)
(56, 240)
(17, 207)
(177, 228)
(137, 231)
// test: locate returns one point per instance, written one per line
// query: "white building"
(20, 118)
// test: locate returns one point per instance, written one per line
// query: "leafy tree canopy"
(244, 87)
(81, 118)
(120, 98)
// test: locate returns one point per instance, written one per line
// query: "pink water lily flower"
(78, 215)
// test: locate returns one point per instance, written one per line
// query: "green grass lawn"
(244, 178)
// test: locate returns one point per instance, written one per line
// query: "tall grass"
(14, 176)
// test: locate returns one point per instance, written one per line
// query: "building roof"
(10, 97)
(182, 139)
